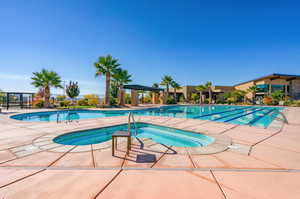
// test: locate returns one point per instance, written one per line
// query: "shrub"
(82, 102)
(60, 98)
(147, 99)
(195, 98)
(171, 100)
(295, 103)
(127, 98)
(181, 99)
(206, 101)
(92, 99)
(277, 96)
(113, 101)
(64, 103)
(267, 100)
(38, 103)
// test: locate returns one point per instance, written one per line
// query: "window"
(277, 88)
(262, 88)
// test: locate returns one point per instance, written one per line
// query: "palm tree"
(175, 86)
(44, 80)
(200, 89)
(253, 90)
(209, 87)
(106, 66)
(166, 81)
(121, 77)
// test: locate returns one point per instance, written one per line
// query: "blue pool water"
(243, 115)
(159, 134)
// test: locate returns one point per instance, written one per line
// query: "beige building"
(289, 84)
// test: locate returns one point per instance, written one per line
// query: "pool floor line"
(232, 114)
(244, 115)
(260, 117)
(219, 112)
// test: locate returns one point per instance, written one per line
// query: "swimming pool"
(243, 115)
(159, 134)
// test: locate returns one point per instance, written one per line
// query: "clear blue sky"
(225, 42)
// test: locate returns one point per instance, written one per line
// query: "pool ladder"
(283, 116)
(68, 119)
(131, 117)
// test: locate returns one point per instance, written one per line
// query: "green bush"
(65, 103)
(39, 104)
(181, 99)
(171, 100)
(82, 102)
(92, 99)
(60, 98)
(127, 98)
(206, 101)
(195, 98)
(296, 103)
(113, 101)
(287, 103)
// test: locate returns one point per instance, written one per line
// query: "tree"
(253, 90)
(209, 87)
(120, 77)
(277, 96)
(166, 81)
(155, 85)
(72, 90)
(106, 66)
(45, 80)
(175, 86)
(200, 89)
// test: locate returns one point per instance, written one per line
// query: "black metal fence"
(16, 100)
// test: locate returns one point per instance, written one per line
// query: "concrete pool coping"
(220, 143)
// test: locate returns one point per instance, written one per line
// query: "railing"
(130, 116)
(283, 116)
(68, 117)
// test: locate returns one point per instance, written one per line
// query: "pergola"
(17, 99)
(142, 88)
(156, 98)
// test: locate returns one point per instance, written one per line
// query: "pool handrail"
(130, 116)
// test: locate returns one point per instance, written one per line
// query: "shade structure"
(142, 88)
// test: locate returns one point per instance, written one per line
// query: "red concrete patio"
(258, 163)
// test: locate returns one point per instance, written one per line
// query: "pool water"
(243, 115)
(159, 134)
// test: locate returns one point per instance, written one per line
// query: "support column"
(285, 90)
(155, 97)
(121, 97)
(7, 101)
(134, 98)
(270, 88)
(21, 100)
(162, 97)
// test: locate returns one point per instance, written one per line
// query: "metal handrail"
(130, 116)
(283, 116)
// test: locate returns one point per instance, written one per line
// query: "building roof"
(272, 76)
(143, 88)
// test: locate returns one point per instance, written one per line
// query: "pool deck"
(259, 163)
